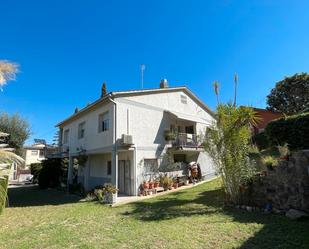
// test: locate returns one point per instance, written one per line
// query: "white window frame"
(81, 130)
(104, 122)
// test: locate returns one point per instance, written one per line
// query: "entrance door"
(124, 177)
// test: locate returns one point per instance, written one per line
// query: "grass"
(192, 218)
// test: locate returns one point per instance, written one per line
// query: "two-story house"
(124, 135)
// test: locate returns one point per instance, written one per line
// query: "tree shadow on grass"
(277, 231)
(25, 196)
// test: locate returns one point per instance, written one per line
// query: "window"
(66, 136)
(183, 99)
(41, 153)
(179, 158)
(34, 153)
(81, 130)
(109, 167)
(150, 165)
(104, 122)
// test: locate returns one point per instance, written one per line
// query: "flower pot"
(156, 184)
(150, 185)
(175, 185)
(145, 185)
(110, 198)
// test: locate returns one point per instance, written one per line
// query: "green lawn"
(193, 218)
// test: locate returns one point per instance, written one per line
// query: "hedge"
(261, 140)
(3, 191)
(293, 130)
(52, 173)
(35, 169)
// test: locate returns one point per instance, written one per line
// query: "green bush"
(261, 140)
(293, 130)
(52, 173)
(35, 169)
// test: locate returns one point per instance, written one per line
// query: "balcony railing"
(186, 140)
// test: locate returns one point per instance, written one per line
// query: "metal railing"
(186, 140)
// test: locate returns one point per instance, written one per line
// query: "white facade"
(144, 115)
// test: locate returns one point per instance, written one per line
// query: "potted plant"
(169, 135)
(166, 182)
(284, 152)
(156, 184)
(110, 193)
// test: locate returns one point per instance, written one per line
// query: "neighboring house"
(34, 154)
(265, 117)
(124, 136)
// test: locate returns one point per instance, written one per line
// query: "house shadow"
(32, 195)
(276, 231)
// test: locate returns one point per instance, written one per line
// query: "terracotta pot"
(150, 184)
(145, 185)
(175, 185)
(156, 184)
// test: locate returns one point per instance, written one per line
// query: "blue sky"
(66, 49)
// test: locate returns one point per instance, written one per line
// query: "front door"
(124, 177)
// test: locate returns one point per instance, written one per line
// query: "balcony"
(186, 141)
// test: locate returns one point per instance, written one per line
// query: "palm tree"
(8, 71)
(235, 88)
(7, 157)
(216, 88)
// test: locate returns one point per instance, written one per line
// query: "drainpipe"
(114, 154)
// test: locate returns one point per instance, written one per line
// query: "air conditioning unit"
(126, 139)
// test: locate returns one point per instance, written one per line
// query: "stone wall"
(285, 187)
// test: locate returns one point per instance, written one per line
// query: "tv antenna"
(142, 74)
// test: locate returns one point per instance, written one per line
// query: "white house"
(124, 135)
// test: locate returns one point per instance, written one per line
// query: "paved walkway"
(125, 199)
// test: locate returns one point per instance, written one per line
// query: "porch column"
(70, 171)
(115, 168)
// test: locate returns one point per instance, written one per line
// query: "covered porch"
(105, 167)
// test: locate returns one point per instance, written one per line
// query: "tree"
(227, 143)
(290, 95)
(17, 127)
(7, 157)
(8, 72)
(103, 90)
(216, 89)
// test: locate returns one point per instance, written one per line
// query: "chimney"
(163, 83)
(103, 90)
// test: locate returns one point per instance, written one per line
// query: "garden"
(192, 218)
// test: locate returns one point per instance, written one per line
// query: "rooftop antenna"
(142, 74)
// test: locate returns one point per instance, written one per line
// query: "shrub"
(293, 130)
(261, 140)
(35, 169)
(228, 144)
(3, 191)
(52, 173)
